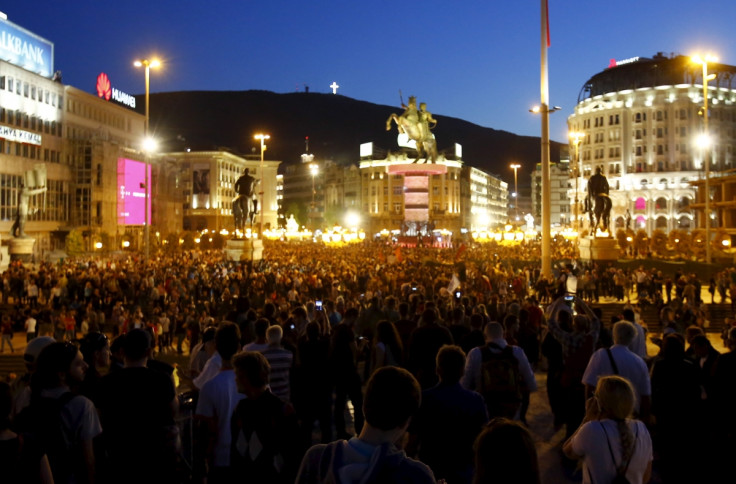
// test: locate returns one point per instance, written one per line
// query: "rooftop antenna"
(306, 144)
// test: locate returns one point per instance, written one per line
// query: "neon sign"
(615, 63)
(107, 92)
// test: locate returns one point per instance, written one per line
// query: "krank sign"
(107, 92)
(12, 134)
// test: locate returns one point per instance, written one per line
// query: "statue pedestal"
(599, 249)
(244, 249)
(21, 249)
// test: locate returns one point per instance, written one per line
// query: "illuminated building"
(398, 195)
(200, 188)
(640, 119)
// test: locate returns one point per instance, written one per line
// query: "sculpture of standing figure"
(21, 214)
(599, 199)
(245, 205)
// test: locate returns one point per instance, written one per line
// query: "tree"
(658, 243)
(679, 241)
(75, 242)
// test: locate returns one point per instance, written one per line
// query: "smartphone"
(569, 297)
(318, 305)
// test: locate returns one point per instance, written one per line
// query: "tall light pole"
(313, 169)
(263, 138)
(576, 138)
(707, 152)
(515, 167)
(546, 176)
(147, 65)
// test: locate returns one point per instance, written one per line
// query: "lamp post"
(706, 151)
(313, 169)
(515, 167)
(148, 144)
(544, 109)
(263, 138)
(576, 138)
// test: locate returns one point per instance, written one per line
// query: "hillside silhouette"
(336, 126)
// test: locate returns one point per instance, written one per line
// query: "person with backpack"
(614, 447)
(500, 372)
(63, 422)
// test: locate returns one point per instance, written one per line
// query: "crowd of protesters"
(283, 344)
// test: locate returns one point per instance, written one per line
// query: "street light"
(706, 154)
(313, 169)
(263, 138)
(147, 65)
(515, 167)
(576, 137)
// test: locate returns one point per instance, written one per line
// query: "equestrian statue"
(245, 204)
(599, 201)
(417, 125)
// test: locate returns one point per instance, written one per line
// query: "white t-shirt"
(630, 366)
(211, 368)
(218, 399)
(30, 325)
(591, 443)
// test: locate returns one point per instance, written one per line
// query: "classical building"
(641, 119)
(418, 198)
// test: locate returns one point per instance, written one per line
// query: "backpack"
(501, 383)
(42, 418)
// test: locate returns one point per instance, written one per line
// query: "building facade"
(560, 207)
(641, 119)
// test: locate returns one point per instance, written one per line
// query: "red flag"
(460, 251)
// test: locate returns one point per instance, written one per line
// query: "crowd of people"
(431, 352)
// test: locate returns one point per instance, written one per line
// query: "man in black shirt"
(137, 408)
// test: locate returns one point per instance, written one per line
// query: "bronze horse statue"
(599, 202)
(245, 205)
(415, 124)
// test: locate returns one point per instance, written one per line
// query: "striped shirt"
(280, 360)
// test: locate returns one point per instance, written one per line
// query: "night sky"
(475, 60)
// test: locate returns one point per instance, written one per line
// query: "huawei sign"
(104, 88)
(107, 92)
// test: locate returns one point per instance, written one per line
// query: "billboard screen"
(132, 192)
(25, 49)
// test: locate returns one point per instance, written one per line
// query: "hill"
(336, 126)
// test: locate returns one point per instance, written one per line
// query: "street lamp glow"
(150, 144)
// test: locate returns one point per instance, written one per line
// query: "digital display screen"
(132, 192)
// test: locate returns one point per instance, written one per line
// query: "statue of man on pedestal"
(600, 200)
(245, 204)
(24, 197)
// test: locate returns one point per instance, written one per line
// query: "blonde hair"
(617, 399)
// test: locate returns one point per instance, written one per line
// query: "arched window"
(620, 223)
(661, 223)
(660, 204)
(683, 204)
(640, 204)
(684, 223)
(641, 222)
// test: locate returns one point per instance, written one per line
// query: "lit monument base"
(244, 249)
(599, 249)
(21, 249)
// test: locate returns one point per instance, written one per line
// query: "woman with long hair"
(610, 441)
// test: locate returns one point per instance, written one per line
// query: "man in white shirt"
(620, 360)
(218, 398)
(30, 326)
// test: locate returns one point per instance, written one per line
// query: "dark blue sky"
(477, 60)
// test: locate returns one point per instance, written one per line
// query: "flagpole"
(544, 111)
